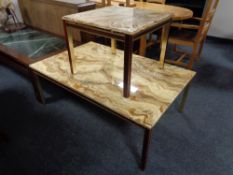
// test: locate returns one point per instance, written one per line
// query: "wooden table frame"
(147, 131)
(126, 38)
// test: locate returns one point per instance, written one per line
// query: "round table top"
(178, 13)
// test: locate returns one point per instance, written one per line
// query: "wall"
(17, 9)
(222, 25)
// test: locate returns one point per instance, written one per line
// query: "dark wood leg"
(184, 98)
(37, 88)
(145, 149)
(127, 65)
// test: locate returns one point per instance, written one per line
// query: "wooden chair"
(193, 36)
(151, 41)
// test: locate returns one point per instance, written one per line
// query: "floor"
(69, 136)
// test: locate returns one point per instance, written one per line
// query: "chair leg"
(193, 56)
(200, 48)
(142, 47)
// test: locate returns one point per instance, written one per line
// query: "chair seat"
(182, 37)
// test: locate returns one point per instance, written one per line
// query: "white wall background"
(17, 9)
(222, 25)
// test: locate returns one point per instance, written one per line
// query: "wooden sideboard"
(46, 14)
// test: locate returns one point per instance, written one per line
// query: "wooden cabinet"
(47, 14)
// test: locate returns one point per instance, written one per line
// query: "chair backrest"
(157, 1)
(207, 17)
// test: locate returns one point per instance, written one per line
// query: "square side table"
(118, 23)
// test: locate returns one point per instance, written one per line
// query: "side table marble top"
(99, 77)
(119, 19)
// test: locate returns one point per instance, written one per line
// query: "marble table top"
(123, 20)
(100, 75)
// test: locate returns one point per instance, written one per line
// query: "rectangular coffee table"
(99, 80)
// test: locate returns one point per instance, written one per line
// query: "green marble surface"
(31, 42)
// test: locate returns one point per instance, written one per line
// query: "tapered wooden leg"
(200, 48)
(184, 98)
(193, 56)
(113, 46)
(37, 88)
(142, 46)
(70, 45)
(127, 65)
(145, 149)
(164, 40)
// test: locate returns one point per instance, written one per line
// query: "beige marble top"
(99, 77)
(119, 19)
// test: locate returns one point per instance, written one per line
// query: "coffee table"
(21, 48)
(99, 80)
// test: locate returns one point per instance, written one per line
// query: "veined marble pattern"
(31, 43)
(99, 74)
(119, 19)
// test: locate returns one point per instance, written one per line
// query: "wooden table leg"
(145, 149)
(164, 40)
(142, 46)
(113, 45)
(184, 98)
(127, 65)
(37, 88)
(70, 45)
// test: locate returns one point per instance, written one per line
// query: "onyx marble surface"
(32, 43)
(123, 20)
(99, 77)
